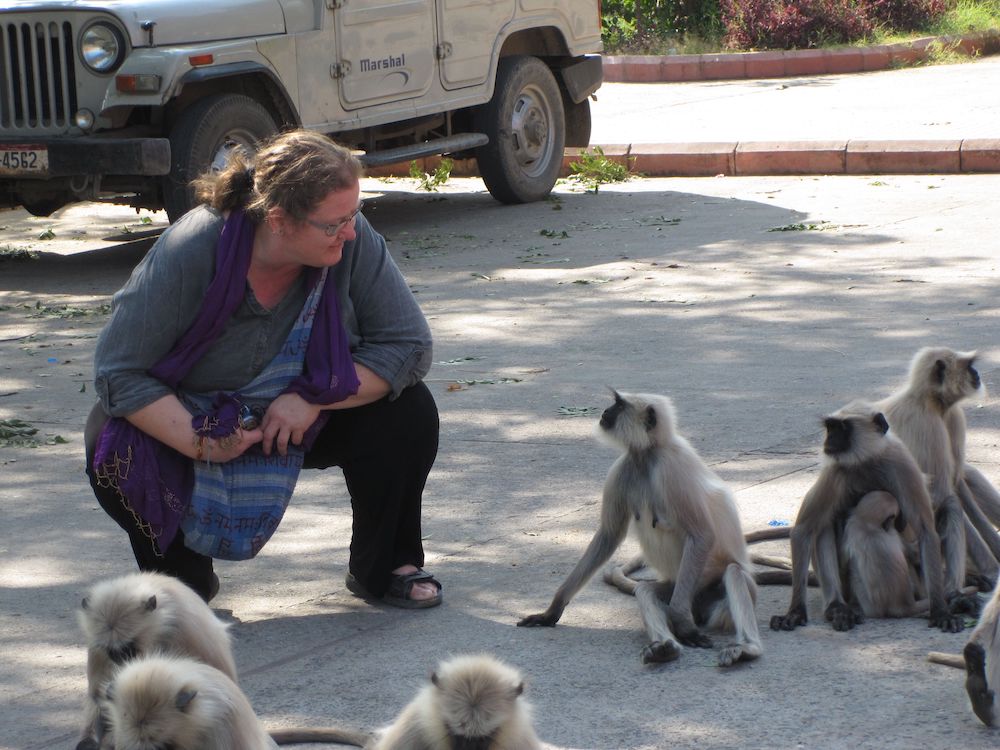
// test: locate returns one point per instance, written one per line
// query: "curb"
(783, 64)
(758, 158)
(771, 158)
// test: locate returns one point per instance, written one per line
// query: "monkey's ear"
(519, 689)
(879, 420)
(617, 396)
(939, 370)
(151, 603)
(85, 604)
(184, 698)
(435, 680)
(650, 417)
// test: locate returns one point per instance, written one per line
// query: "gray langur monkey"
(689, 531)
(143, 613)
(473, 702)
(170, 702)
(860, 456)
(926, 415)
(981, 661)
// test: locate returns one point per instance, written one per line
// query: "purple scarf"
(154, 481)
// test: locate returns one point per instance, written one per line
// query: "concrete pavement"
(758, 303)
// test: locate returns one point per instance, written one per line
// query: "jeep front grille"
(37, 79)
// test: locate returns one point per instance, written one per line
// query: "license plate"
(23, 159)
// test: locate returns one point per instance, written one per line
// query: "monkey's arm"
(985, 493)
(697, 548)
(837, 612)
(810, 515)
(978, 520)
(607, 538)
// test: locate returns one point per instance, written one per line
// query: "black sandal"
(400, 586)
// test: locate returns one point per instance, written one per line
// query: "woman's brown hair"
(294, 171)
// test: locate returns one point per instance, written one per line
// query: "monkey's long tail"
(319, 734)
(768, 534)
(948, 660)
(620, 576)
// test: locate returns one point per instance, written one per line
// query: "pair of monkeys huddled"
(893, 525)
(161, 674)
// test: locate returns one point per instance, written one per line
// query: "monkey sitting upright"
(861, 457)
(688, 527)
(926, 414)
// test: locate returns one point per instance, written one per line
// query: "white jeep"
(128, 100)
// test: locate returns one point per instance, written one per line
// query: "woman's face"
(319, 239)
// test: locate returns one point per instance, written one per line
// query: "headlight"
(102, 47)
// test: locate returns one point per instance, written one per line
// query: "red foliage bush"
(791, 24)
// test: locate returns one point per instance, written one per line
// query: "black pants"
(386, 450)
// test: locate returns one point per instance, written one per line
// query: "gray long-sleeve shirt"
(388, 332)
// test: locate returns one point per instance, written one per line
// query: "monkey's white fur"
(469, 697)
(688, 527)
(168, 701)
(145, 613)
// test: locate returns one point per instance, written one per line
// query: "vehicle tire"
(527, 129)
(203, 136)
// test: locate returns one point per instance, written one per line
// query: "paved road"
(678, 286)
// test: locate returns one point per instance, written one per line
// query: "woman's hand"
(286, 421)
(221, 450)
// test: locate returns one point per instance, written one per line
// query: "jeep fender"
(172, 64)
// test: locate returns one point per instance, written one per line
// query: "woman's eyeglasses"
(332, 230)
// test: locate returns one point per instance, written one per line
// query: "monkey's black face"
(461, 742)
(610, 416)
(123, 653)
(838, 436)
(974, 377)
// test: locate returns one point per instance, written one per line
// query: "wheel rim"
(233, 140)
(531, 131)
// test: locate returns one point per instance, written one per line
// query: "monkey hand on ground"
(843, 616)
(660, 652)
(948, 622)
(976, 685)
(795, 617)
(545, 619)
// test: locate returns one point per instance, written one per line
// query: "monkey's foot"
(948, 622)
(976, 685)
(732, 653)
(660, 652)
(843, 617)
